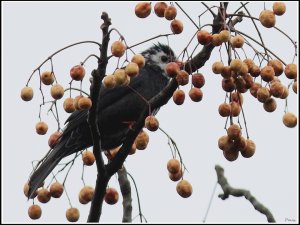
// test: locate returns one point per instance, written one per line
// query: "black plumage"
(117, 107)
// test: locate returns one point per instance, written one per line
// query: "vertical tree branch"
(98, 75)
(126, 193)
(228, 190)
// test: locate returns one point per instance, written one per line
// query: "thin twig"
(89, 56)
(187, 15)
(72, 163)
(150, 39)
(254, 18)
(77, 89)
(138, 197)
(246, 35)
(209, 9)
(243, 114)
(210, 202)
(58, 51)
(257, 30)
(175, 147)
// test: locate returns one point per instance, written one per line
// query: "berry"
(34, 212)
(26, 94)
(184, 189)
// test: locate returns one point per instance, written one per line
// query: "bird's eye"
(164, 58)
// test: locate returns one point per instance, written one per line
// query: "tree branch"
(228, 190)
(187, 15)
(126, 193)
(58, 51)
(98, 75)
(209, 9)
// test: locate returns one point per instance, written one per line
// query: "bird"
(116, 107)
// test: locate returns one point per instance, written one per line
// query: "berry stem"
(77, 89)
(254, 18)
(57, 117)
(150, 39)
(58, 51)
(205, 11)
(138, 197)
(72, 163)
(209, 9)
(89, 56)
(185, 48)
(187, 15)
(65, 190)
(43, 97)
(267, 49)
(175, 147)
(210, 202)
(244, 117)
(82, 174)
(256, 28)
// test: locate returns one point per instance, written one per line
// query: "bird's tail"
(41, 173)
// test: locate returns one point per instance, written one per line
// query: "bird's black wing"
(107, 97)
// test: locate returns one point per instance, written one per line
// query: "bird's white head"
(159, 56)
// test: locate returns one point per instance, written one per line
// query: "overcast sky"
(32, 31)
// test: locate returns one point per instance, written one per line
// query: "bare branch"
(98, 75)
(149, 39)
(58, 51)
(267, 49)
(89, 56)
(138, 198)
(209, 9)
(199, 60)
(126, 193)
(228, 190)
(187, 15)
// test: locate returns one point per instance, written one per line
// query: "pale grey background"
(34, 30)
